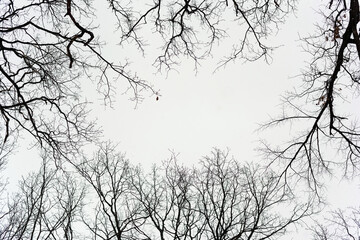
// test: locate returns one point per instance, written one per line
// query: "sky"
(198, 111)
(201, 110)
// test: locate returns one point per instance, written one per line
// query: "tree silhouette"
(219, 199)
(117, 214)
(243, 202)
(168, 198)
(47, 45)
(108, 198)
(45, 49)
(47, 206)
(319, 106)
(342, 224)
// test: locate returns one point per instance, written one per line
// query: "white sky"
(198, 112)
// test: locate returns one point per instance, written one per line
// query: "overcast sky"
(197, 112)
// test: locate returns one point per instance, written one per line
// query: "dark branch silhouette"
(318, 107)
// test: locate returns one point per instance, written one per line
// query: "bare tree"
(219, 199)
(46, 46)
(47, 206)
(320, 107)
(341, 225)
(118, 214)
(244, 202)
(168, 198)
(190, 28)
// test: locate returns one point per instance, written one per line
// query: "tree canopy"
(109, 198)
(49, 47)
